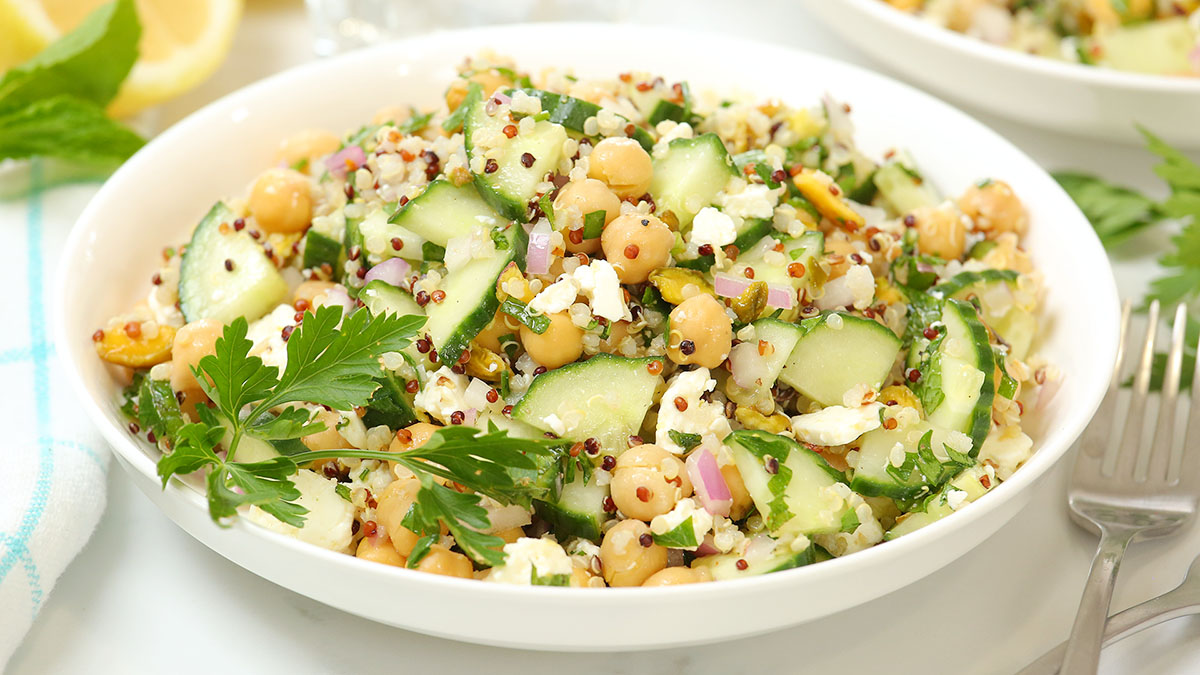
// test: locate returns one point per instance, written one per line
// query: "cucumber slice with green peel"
(749, 232)
(956, 375)
(573, 113)
(381, 297)
(990, 289)
(470, 302)
(871, 475)
(605, 397)
(225, 273)
(352, 238)
(970, 482)
(390, 405)
(321, 249)
(805, 249)
(792, 486)
(577, 512)
(512, 185)
(902, 186)
(443, 211)
(726, 565)
(689, 176)
(838, 352)
(380, 240)
(782, 338)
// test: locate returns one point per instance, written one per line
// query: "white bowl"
(161, 192)
(1074, 98)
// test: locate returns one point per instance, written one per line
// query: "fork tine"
(1131, 439)
(1154, 465)
(1187, 467)
(1096, 436)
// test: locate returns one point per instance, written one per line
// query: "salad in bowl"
(1143, 36)
(590, 332)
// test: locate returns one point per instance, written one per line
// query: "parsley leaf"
(1181, 173)
(1115, 212)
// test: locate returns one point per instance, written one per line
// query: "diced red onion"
(338, 296)
(343, 161)
(537, 256)
(392, 271)
(778, 295)
(837, 294)
(709, 484)
(506, 517)
(498, 99)
(707, 547)
(470, 415)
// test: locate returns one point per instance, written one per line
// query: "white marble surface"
(143, 597)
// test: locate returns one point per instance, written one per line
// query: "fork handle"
(1082, 655)
(1170, 605)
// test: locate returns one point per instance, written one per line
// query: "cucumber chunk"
(381, 297)
(689, 176)
(605, 397)
(970, 481)
(511, 187)
(578, 511)
(902, 186)
(1159, 47)
(758, 560)
(804, 249)
(798, 498)
(573, 113)
(957, 372)
(470, 302)
(444, 211)
(828, 361)
(378, 239)
(782, 336)
(992, 290)
(321, 249)
(871, 477)
(390, 404)
(225, 274)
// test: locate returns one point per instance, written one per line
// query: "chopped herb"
(684, 440)
(518, 310)
(682, 536)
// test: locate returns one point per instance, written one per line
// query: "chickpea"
(560, 344)
(304, 149)
(840, 247)
(637, 244)
(648, 481)
(511, 535)
(742, 502)
(379, 549)
(677, 576)
(701, 332)
(625, 557)
(192, 343)
(941, 231)
(587, 91)
(586, 196)
(623, 165)
(281, 201)
(312, 292)
(490, 80)
(502, 324)
(581, 578)
(393, 504)
(443, 561)
(329, 438)
(392, 114)
(995, 208)
(617, 332)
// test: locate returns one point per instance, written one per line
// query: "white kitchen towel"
(54, 464)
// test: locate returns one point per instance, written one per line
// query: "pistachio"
(751, 303)
(752, 419)
(512, 283)
(677, 284)
(119, 348)
(902, 395)
(485, 364)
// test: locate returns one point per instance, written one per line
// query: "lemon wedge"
(183, 42)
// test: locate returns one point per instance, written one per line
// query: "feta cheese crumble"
(712, 227)
(702, 520)
(328, 521)
(705, 418)
(444, 393)
(836, 425)
(525, 555)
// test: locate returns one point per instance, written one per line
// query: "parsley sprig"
(333, 366)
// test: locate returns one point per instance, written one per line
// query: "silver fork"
(1130, 492)
(1183, 600)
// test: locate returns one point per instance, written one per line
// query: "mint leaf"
(64, 126)
(89, 63)
(538, 323)
(1115, 212)
(850, 521)
(685, 441)
(682, 535)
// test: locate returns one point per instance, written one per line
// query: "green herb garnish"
(518, 310)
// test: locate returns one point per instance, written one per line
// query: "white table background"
(143, 597)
